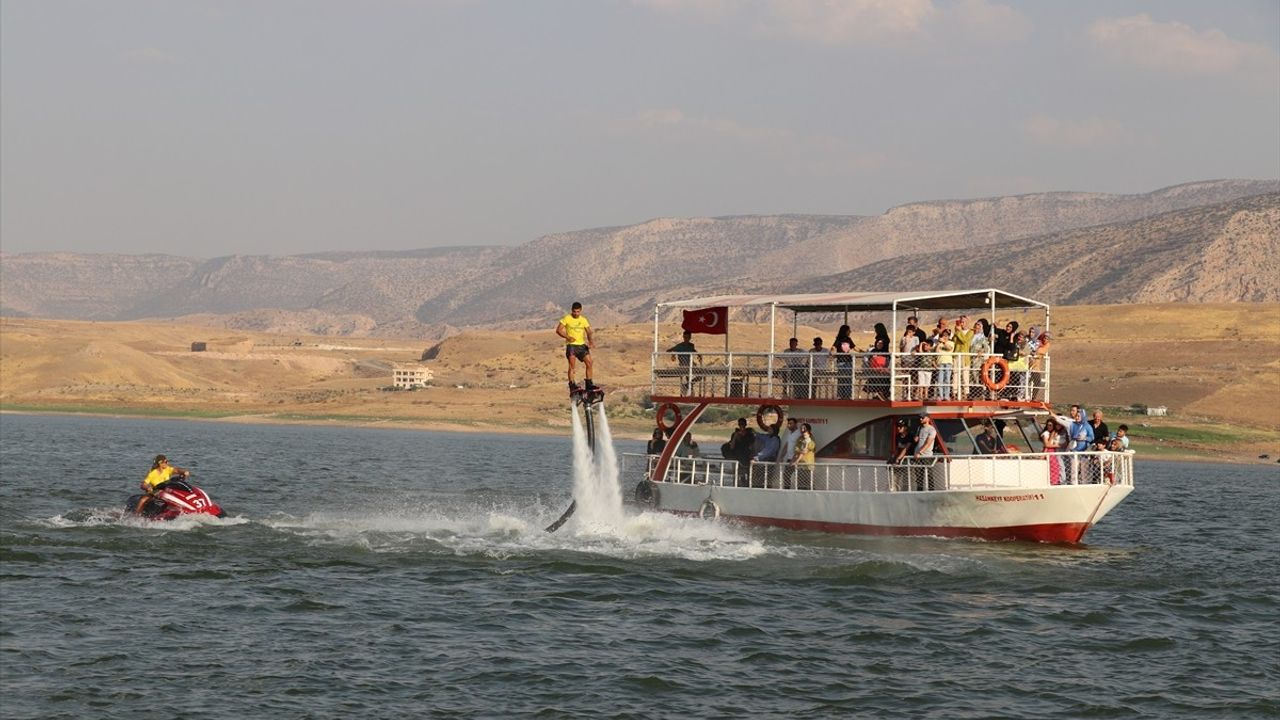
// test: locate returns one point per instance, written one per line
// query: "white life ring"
(709, 510)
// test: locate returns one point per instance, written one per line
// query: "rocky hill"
(1226, 252)
(620, 271)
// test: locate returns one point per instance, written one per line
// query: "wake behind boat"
(979, 478)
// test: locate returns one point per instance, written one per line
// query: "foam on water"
(600, 524)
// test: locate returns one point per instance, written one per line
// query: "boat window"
(953, 434)
(869, 440)
(1023, 432)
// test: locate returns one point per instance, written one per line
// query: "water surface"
(386, 573)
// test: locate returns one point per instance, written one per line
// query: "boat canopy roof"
(989, 298)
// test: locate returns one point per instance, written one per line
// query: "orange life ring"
(985, 373)
(760, 413)
(662, 414)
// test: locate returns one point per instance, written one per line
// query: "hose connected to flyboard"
(590, 425)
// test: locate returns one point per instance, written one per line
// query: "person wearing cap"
(161, 473)
(902, 440)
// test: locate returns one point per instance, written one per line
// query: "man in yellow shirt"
(161, 473)
(578, 341)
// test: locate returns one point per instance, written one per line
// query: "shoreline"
(1161, 453)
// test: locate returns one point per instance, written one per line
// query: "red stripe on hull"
(1046, 533)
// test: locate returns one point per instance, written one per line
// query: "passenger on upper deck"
(795, 363)
(1016, 354)
(882, 333)
(924, 362)
(1004, 338)
(844, 349)
(1039, 366)
(910, 339)
(920, 334)
(821, 359)
(877, 387)
(684, 359)
(942, 376)
(1101, 434)
(979, 349)
(686, 349)
(1122, 436)
(942, 324)
(961, 337)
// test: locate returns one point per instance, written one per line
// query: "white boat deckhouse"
(985, 476)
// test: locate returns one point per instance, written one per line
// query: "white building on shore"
(407, 377)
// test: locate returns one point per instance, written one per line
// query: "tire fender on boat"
(764, 410)
(985, 373)
(661, 416)
(709, 510)
(647, 493)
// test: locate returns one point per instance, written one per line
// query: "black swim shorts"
(578, 351)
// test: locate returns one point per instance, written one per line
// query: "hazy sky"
(288, 126)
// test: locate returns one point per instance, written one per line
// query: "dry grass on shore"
(1216, 367)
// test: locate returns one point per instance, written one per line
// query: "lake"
(390, 573)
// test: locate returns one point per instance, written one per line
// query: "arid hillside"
(1220, 253)
(429, 294)
(1211, 365)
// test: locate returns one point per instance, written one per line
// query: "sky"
(292, 126)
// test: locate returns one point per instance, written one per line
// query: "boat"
(985, 478)
(171, 500)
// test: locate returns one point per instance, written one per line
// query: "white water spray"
(595, 478)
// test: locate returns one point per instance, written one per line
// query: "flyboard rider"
(578, 341)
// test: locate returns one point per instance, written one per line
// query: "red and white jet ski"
(173, 499)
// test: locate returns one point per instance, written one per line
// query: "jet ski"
(173, 499)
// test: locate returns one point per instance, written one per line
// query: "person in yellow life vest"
(161, 473)
(578, 341)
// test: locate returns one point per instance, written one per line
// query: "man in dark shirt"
(988, 442)
(740, 447)
(684, 359)
(914, 322)
(1101, 435)
(684, 346)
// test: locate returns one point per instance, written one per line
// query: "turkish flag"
(709, 321)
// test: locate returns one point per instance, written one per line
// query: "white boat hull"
(1061, 513)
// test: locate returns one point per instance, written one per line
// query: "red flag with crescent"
(708, 321)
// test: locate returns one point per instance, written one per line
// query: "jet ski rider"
(161, 473)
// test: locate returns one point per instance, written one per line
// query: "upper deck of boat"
(891, 379)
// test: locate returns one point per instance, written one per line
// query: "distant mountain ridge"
(1200, 241)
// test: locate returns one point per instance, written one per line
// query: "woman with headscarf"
(844, 349)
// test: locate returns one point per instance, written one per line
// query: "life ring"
(985, 373)
(647, 493)
(662, 414)
(762, 411)
(709, 510)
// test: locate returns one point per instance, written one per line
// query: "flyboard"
(588, 399)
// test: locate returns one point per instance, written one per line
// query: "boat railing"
(851, 376)
(951, 472)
